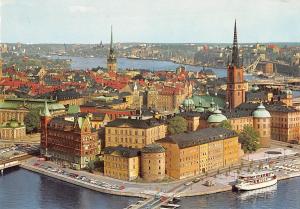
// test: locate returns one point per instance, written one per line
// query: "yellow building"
(153, 162)
(189, 154)
(121, 163)
(285, 123)
(135, 133)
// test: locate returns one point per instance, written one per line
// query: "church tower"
(235, 77)
(1, 63)
(111, 59)
(45, 119)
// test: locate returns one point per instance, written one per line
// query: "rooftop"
(134, 123)
(199, 137)
(122, 151)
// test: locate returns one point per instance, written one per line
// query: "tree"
(249, 138)
(177, 125)
(32, 121)
(226, 124)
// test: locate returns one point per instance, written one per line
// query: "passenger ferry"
(255, 180)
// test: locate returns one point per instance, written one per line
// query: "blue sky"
(88, 21)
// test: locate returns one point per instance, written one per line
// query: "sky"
(165, 21)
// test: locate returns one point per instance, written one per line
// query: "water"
(283, 196)
(22, 189)
(124, 63)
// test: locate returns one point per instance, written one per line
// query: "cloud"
(81, 9)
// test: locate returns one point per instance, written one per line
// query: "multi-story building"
(122, 163)
(192, 153)
(285, 123)
(135, 133)
(68, 141)
(10, 111)
(12, 130)
(153, 162)
(168, 98)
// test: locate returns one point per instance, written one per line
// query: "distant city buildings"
(120, 117)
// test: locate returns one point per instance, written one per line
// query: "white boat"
(255, 180)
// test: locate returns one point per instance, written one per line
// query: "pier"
(8, 164)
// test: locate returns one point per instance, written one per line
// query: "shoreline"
(224, 188)
(80, 183)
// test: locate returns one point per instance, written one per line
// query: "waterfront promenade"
(222, 180)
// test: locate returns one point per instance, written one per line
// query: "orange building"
(192, 153)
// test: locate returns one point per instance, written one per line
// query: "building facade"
(134, 133)
(12, 130)
(122, 163)
(193, 153)
(153, 162)
(70, 142)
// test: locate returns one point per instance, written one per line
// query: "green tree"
(249, 139)
(91, 165)
(32, 121)
(226, 124)
(177, 125)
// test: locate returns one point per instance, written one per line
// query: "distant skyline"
(153, 21)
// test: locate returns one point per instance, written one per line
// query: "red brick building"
(69, 141)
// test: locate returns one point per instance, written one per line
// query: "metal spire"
(46, 110)
(111, 37)
(235, 48)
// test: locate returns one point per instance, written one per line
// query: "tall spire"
(235, 48)
(111, 37)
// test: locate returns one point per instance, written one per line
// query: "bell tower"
(111, 59)
(235, 77)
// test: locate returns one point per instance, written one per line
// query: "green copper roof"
(12, 124)
(188, 102)
(8, 105)
(216, 117)
(205, 101)
(73, 109)
(46, 110)
(199, 109)
(261, 112)
(287, 90)
(255, 88)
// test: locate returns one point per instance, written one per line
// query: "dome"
(188, 102)
(216, 117)
(255, 88)
(199, 109)
(13, 124)
(261, 112)
(153, 148)
(287, 90)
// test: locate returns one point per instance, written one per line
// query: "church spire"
(111, 37)
(46, 111)
(235, 48)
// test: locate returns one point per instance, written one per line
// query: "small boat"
(174, 200)
(255, 180)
